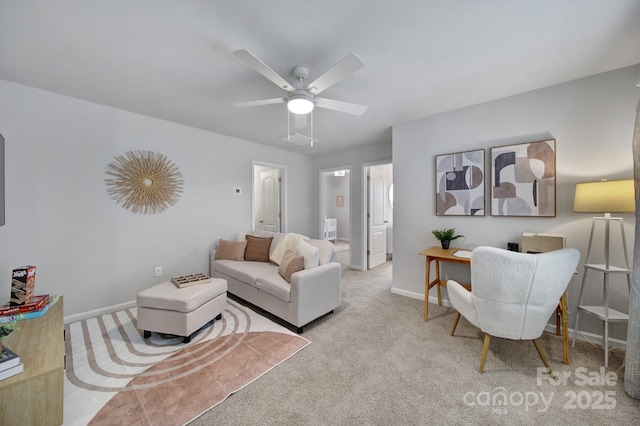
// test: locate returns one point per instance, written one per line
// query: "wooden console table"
(35, 396)
(437, 254)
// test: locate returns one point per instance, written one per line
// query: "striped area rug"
(115, 377)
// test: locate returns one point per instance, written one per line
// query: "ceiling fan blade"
(347, 107)
(346, 66)
(255, 63)
(258, 103)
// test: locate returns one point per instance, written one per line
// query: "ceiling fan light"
(300, 104)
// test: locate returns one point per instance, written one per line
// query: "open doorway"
(268, 202)
(335, 211)
(378, 213)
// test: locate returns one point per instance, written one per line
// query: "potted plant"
(445, 236)
(5, 330)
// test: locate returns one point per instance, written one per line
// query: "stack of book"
(35, 308)
(10, 364)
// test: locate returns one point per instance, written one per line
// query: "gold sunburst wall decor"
(144, 182)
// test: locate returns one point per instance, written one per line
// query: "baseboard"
(551, 328)
(410, 294)
(97, 312)
(590, 337)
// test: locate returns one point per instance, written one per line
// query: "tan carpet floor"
(375, 362)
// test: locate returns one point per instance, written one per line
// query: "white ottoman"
(165, 308)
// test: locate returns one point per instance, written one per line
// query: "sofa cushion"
(290, 264)
(257, 249)
(275, 285)
(326, 250)
(310, 253)
(231, 250)
(247, 272)
(269, 234)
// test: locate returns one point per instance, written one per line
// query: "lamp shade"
(300, 103)
(615, 196)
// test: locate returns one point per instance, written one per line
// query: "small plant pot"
(445, 244)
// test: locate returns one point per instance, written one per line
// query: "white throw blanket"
(286, 242)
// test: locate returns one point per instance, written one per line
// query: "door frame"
(365, 208)
(321, 205)
(283, 193)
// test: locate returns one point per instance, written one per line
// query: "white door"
(270, 209)
(377, 228)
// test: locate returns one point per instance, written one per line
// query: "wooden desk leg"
(426, 291)
(439, 282)
(565, 329)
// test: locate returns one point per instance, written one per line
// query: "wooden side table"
(35, 396)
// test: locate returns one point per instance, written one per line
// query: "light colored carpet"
(375, 362)
(115, 377)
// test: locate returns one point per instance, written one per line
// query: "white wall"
(87, 248)
(592, 120)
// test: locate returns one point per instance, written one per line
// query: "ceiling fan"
(302, 97)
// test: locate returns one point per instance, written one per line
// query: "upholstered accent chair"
(513, 294)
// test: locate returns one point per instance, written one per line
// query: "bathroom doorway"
(378, 213)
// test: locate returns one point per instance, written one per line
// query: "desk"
(437, 254)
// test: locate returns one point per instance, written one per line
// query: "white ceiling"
(174, 59)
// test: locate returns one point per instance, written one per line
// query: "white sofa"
(312, 293)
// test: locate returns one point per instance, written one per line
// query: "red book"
(36, 303)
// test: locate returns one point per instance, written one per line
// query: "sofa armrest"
(212, 257)
(316, 291)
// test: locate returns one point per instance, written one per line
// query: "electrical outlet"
(158, 271)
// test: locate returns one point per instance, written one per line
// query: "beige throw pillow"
(290, 264)
(230, 250)
(257, 249)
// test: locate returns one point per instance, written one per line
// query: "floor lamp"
(611, 197)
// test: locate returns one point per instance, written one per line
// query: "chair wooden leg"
(455, 323)
(485, 349)
(542, 355)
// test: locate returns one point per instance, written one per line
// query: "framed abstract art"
(460, 184)
(523, 179)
